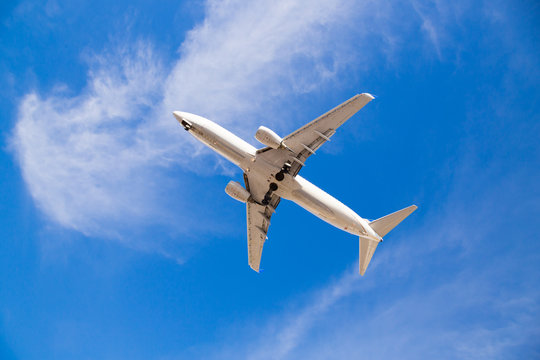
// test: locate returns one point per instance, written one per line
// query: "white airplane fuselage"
(296, 189)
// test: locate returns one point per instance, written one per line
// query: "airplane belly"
(325, 206)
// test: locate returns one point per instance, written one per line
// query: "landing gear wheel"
(286, 167)
(273, 186)
(279, 176)
(186, 125)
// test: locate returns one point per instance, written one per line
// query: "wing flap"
(318, 131)
(258, 221)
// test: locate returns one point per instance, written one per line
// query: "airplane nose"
(183, 119)
(179, 115)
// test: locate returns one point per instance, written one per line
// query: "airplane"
(271, 173)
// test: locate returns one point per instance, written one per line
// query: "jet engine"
(268, 137)
(235, 190)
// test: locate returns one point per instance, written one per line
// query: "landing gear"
(186, 124)
(286, 167)
(284, 170)
(268, 195)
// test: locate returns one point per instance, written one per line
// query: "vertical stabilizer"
(367, 248)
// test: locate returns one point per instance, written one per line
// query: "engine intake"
(269, 138)
(235, 190)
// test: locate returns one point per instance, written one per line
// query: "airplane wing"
(300, 145)
(305, 141)
(258, 221)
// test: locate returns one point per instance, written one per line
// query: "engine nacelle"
(235, 190)
(268, 137)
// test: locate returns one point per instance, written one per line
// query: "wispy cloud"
(437, 296)
(97, 161)
(286, 333)
(80, 155)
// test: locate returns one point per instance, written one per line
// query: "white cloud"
(97, 161)
(244, 55)
(81, 155)
(94, 161)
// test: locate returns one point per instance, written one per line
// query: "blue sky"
(118, 240)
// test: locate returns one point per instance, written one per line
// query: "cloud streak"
(94, 161)
(80, 155)
(100, 161)
(436, 295)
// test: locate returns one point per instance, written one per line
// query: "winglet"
(369, 96)
(361, 100)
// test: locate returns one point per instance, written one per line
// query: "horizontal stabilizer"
(383, 225)
(367, 248)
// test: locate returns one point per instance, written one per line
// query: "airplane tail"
(381, 226)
